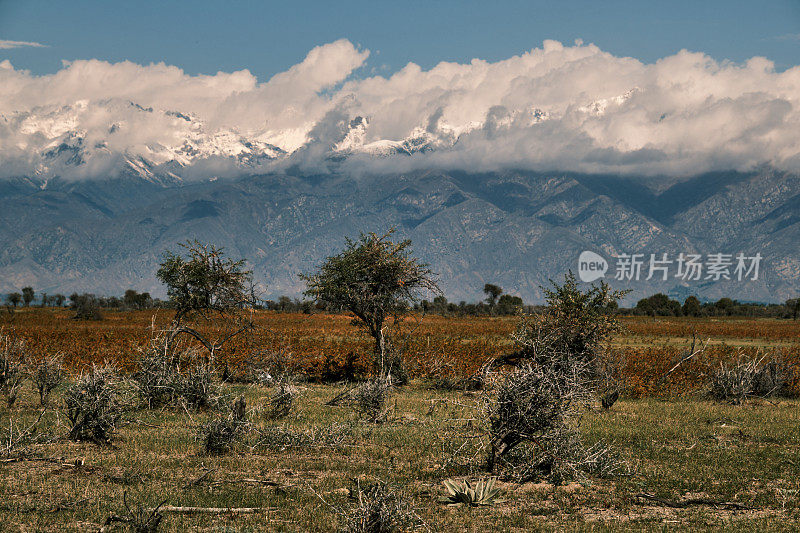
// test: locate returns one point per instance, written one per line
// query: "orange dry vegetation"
(323, 344)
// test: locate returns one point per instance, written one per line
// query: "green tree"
(659, 304)
(203, 284)
(492, 292)
(725, 306)
(509, 305)
(375, 279)
(793, 306)
(14, 299)
(691, 306)
(28, 295)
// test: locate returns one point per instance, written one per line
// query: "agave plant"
(483, 493)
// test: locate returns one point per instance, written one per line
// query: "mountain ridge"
(515, 228)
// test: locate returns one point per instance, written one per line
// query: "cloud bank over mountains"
(571, 108)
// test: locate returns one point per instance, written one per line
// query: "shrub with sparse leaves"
(533, 412)
(283, 400)
(377, 508)
(220, 434)
(170, 372)
(735, 381)
(94, 407)
(46, 375)
(371, 398)
(13, 359)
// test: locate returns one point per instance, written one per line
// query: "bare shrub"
(170, 372)
(532, 402)
(93, 406)
(560, 456)
(734, 382)
(46, 375)
(369, 398)
(283, 400)
(533, 411)
(138, 518)
(378, 509)
(13, 359)
(771, 379)
(573, 328)
(18, 438)
(222, 432)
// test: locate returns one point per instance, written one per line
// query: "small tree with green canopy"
(793, 306)
(492, 293)
(203, 284)
(14, 299)
(375, 279)
(28, 295)
(691, 306)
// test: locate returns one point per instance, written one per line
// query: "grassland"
(678, 444)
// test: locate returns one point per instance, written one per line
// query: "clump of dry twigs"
(94, 407)
(735, 381)
(46, 375)
(171, 372)
(219, 435)
(377, 508)
(283, 400)
(13, 360)
(369, 398)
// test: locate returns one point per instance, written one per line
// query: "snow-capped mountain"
(113, 137)
(66, 141)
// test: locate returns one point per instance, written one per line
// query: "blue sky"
(267, 37)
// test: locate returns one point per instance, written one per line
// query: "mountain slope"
(513, 228)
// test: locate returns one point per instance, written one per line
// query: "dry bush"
(18, 439)
(532, 402)
(369, 398)
(560, 456)
(171, 372)
(558, 369)
(772, 379)
(377, 508)
(13, 360)
(221, 433)
(735, 381)
(46, 375)
(283, 400)
(94, 407)
(138, 518)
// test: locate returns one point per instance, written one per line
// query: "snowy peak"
(121, 137)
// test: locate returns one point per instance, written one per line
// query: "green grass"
(679, 448)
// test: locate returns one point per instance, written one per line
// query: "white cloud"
(5, 45)
(571, 108)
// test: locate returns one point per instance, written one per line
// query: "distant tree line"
(496, 304)
(662, 305)
(130, 300)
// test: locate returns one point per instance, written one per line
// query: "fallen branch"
(266, 482)
(215, 510)
(675, 504)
